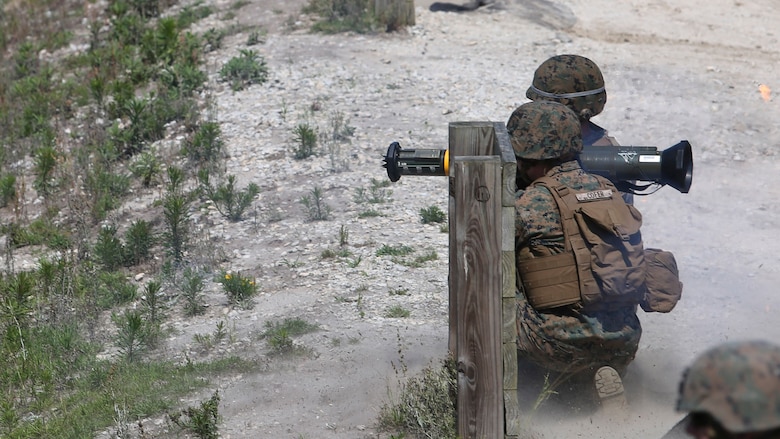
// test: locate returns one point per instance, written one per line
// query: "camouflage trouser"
(577, 342)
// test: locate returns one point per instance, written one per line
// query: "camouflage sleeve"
(536, 215)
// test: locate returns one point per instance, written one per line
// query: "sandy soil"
(687, 69)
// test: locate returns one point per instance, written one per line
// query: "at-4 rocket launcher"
(623, 165)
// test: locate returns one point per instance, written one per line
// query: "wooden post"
(482, 278)
(395, 13)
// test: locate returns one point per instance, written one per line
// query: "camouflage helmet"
(544, 130)
(572, 80)
(738, 384)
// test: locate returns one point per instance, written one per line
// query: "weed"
(343, 236)
(213, 39)
(183, 78)
(305, 141)
(132, 337)
(239, 289)
(229, 201)
(370, 213)
(105, 188)
(432, 214)
(146, 167)
(175, 211)
(343, 16)
(45, 161)
(353, 263)
(291, 264)
(425, 406)
(244, 70)
(208, 341)
(152, 302)
(360, 305)
(376, 193)
(202, 421)
(108, 248)
(279, 334)
(283, 110)
(422, 259)
(341, 131)
(254, 38)
(138, 242)
(399, 291)
(190, 14)
(205, 145)
(7, 189)
(397, 311)
(192, 289)
(316, 208)
(112, 289)
(396, 250)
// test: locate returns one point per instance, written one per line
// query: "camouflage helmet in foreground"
(544, 130)
(572, 80)
(736, 383)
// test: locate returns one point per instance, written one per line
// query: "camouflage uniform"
(570, 338)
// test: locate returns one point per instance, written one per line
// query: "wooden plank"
(465, 139)
(508, 164)
(477, 193)
(511, 403)
(471, 139)
(453, 272)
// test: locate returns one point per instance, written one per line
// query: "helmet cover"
(544, 130)
(738, 384)
(572, 80)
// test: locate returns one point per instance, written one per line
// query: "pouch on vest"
(603, 248)
(664, 288)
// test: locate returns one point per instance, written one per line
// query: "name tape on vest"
(601, 194)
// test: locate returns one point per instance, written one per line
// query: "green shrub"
(426, 404)
(343, 16)
(432, 214)
(138, 242)
(146, 167)
(184, 78)
(304, 141)
(244, 70)
(7, 189)
(205, 145)
(376, 193)
(279, 334)
(112, 289)
(132, 334)
(239, 289)
(229, 201)
(397, 311)
(45, 162)
(176, 214)
(192, 289)
(316, 208)
(202, 421)
(397, 250)
(213, 39)
(108, 248)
